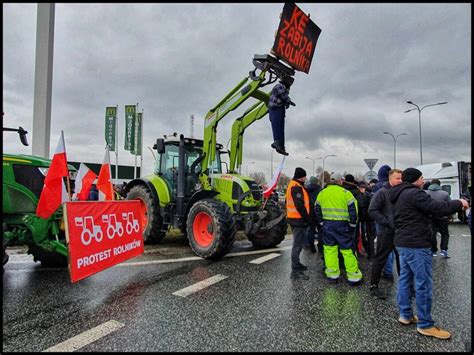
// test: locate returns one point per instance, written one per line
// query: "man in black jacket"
(412, 208)
(299, 216)
(380, 209)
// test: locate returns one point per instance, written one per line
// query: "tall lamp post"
(313, 160)
(419, 119)
(395, 147)
(324, 159)
(252, 162)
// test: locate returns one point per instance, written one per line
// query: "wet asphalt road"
(255, 308)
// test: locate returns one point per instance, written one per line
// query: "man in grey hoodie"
(439, 224)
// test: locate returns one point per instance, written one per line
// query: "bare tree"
(259, 178)
(283, 182)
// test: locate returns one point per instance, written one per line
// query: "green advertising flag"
(138, 135)
(130, 112)
(110, 117)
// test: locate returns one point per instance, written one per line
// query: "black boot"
(299, 275)
(374, 290)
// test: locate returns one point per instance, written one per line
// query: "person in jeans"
(279, 102)
(439, 224)
(380, 209)
(299, 216)
(412, 211)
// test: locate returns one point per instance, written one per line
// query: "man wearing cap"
(300, 217)
(278, 103)
(412, 210)
(336, 212)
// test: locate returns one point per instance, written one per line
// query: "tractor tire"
(5, 243)
(152, 224)
(211, 229)
(274, 236)
(47, 258)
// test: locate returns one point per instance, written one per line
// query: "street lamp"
(395, 147)
(313, 160)
(324, 159)
(419, 118)
(252, 162)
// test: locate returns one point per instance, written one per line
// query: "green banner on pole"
(130, 113)
(138, 135)
(110, 117)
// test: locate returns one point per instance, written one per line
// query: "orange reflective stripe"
(291, 211)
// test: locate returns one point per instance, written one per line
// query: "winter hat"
(299, 173)
(336, 176)
(383, 172)
(350, 178)
(362, 184)
(411, 175)
(313, 180)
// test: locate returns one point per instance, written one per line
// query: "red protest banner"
(296, 38)
(101, 234)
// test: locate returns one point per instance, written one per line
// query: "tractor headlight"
(198, 186)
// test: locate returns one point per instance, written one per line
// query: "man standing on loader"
(278, 103)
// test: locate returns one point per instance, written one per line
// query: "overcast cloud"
(181, 59)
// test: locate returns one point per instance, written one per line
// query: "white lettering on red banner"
(101, 234)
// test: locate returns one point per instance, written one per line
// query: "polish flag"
(276, 176)
(54, 191)
(84, 180)
(104, 181)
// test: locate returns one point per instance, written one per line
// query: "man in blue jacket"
(412, 210)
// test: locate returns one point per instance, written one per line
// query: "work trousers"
(277, 119)
(441, 226)
(299, 234)
(384, 248)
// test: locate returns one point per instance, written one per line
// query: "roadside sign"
(296, 38)
(101, 234)
(369, 175)
(371, 163)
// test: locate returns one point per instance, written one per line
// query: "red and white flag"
(104, 181)
(273, 184)
(84, 179)
(54, 191)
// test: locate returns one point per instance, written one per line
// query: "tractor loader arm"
(247, 87)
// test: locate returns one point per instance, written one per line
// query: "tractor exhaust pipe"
(181, 181)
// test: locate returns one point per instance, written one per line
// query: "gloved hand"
(292, 103)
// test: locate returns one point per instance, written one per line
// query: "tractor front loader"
(189, 191)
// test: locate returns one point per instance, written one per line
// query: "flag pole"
(141, 145)
(116, 144)
(67, 177)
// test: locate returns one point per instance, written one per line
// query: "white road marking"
(86, 337)
(264, 258)
(465, 235)
(184, 292)
(27, 259)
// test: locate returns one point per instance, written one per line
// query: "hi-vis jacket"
(335, 203)
(298, 210)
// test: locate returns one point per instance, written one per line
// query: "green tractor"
(23, 179)
(188, 189)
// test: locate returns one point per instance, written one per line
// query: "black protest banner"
(296, 38)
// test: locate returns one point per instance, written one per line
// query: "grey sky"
(181, 59)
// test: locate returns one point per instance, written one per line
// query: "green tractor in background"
(23, 179)
(189, 191)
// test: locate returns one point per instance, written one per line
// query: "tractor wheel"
(152, 222)
(275, 235)
(47, 258)
(211, 229)
(5, 243)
